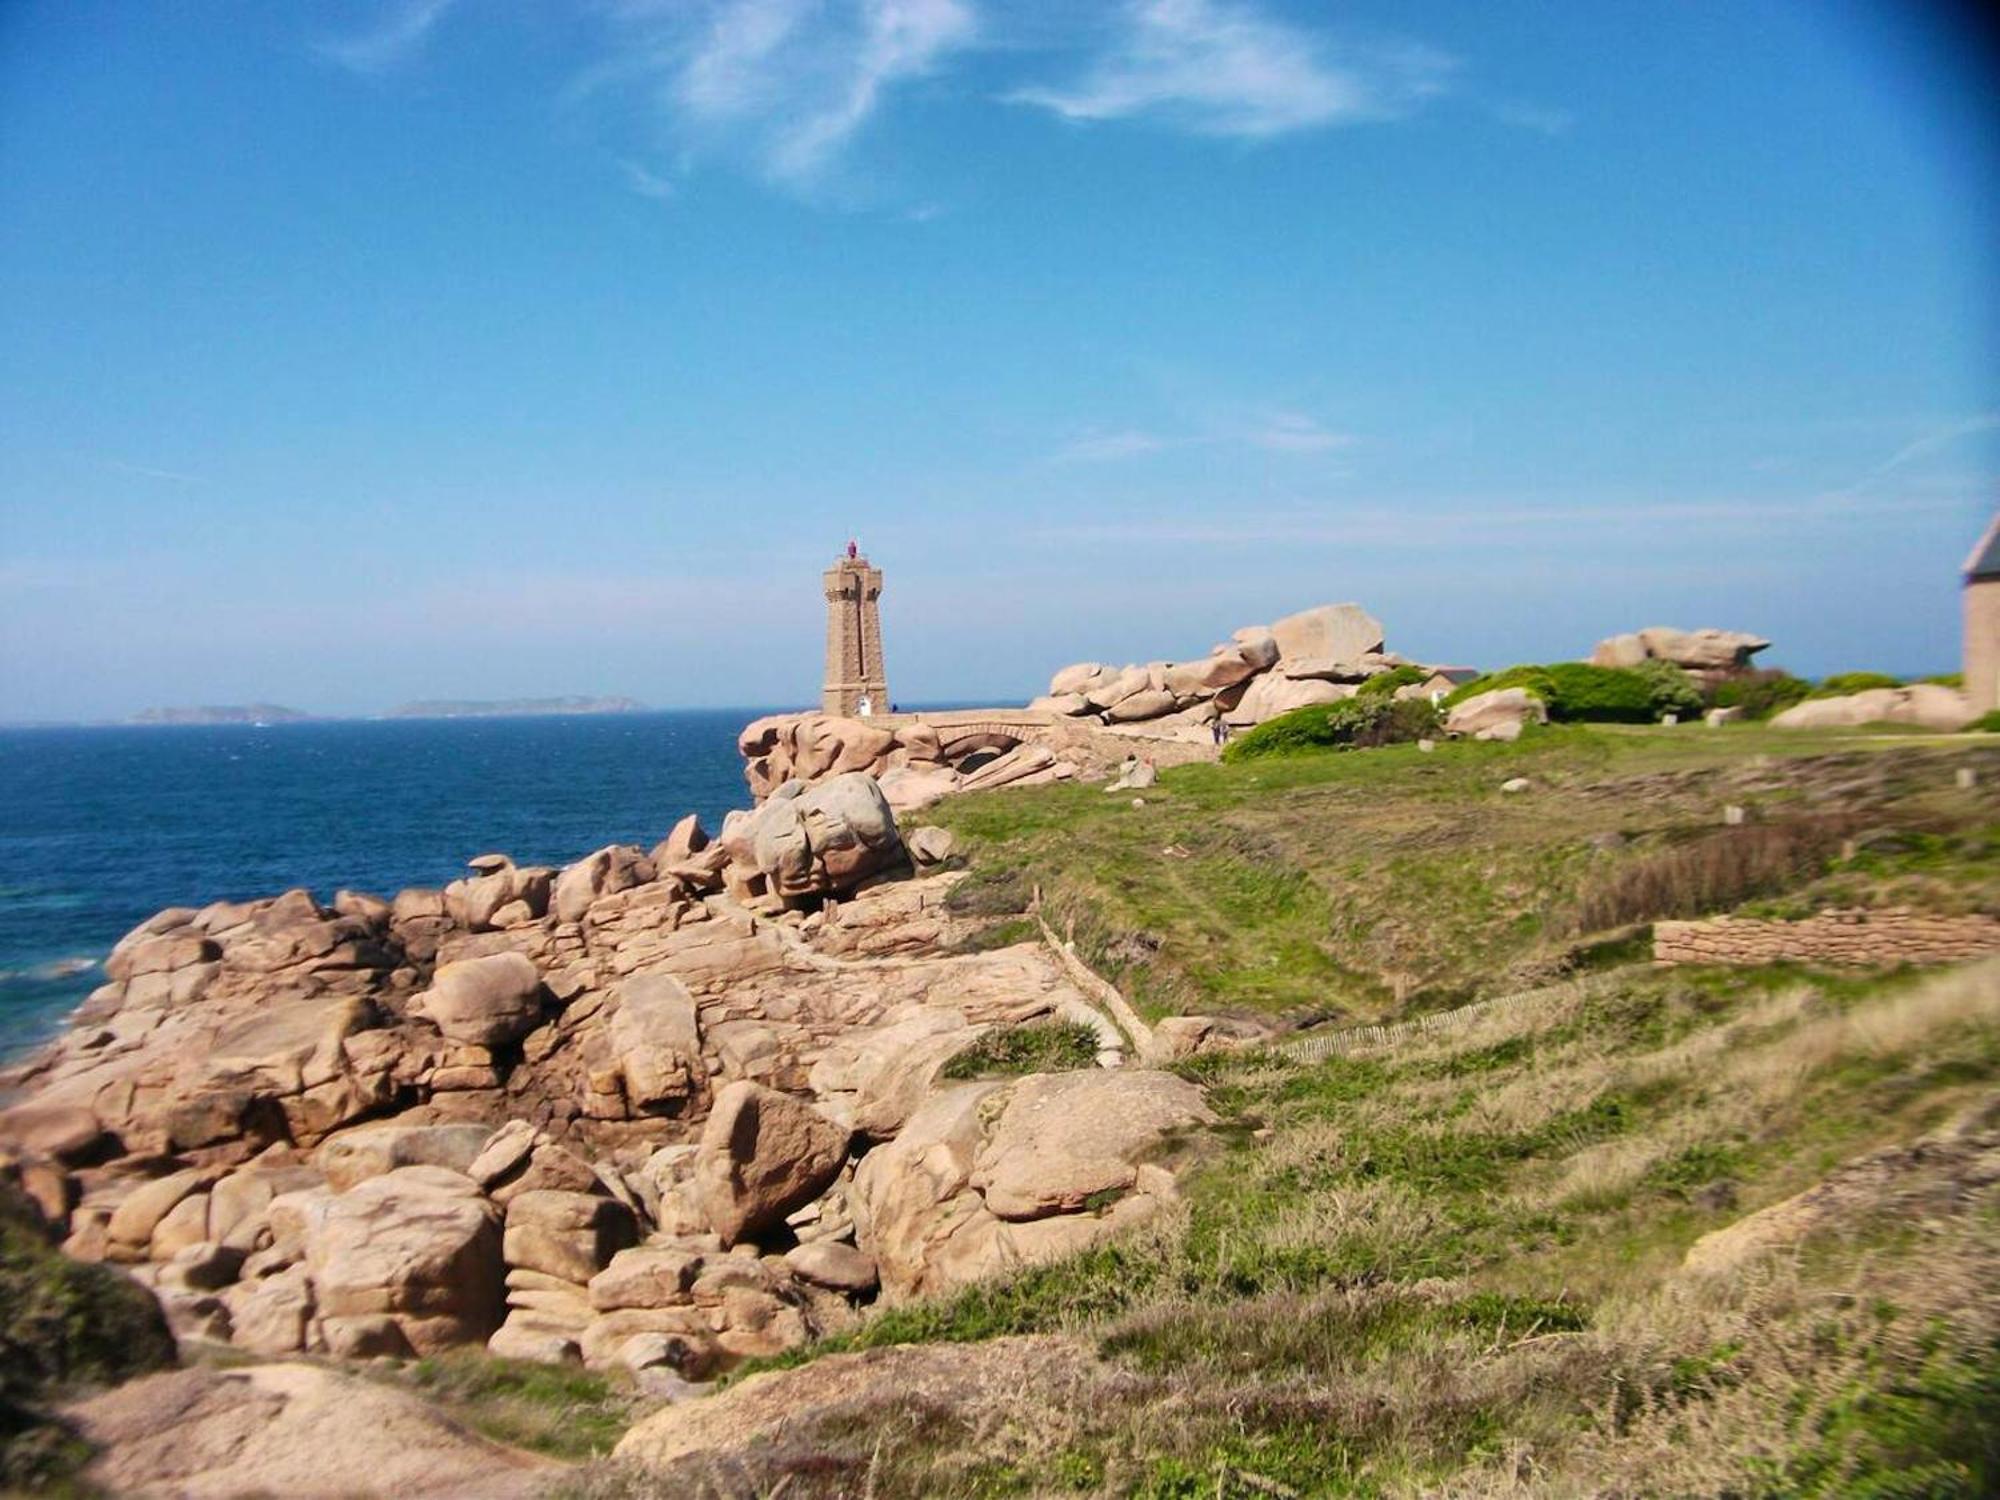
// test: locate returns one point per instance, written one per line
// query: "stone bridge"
(964, 730)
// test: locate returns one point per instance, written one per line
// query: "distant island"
(466, 708)
(222, 713)
(423, 708)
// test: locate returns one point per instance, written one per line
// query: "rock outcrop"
(635, 1113)
(1922, 705)
(815, 840)
(986, 1177)
(295, 1430)
(1709, 655)
(1497, 715)
(1092, 719)
(763, 1154)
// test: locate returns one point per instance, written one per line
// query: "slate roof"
(1985, 559)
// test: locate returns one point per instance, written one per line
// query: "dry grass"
(1715, 871)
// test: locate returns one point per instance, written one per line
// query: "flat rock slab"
(295, 1430)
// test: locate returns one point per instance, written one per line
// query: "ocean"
(102, 827)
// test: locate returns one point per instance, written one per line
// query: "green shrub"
(1587, 694)
(63, 1323)
(1673, 690)
(1384, 684)
(1761, 693)
(1945, 679)
(1352, 724)
(1988, 723)
(1044, 1047)
(1841, 684)
(1576, 692)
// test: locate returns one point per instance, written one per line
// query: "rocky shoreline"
(660, 1110)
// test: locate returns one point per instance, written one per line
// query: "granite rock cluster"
(660, 1109)
(1319, 655)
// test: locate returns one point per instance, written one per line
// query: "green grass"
(1393, 1270)
(556, 1410)
(1455, 1263)
(1373, 885)
(1042, 1047)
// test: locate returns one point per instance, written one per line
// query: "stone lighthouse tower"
(856, 686)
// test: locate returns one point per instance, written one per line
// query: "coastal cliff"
(1031, 1104)
(653, 1111)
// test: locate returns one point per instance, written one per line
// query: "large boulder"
(239, 1205)
(1708, 653)
(570, 1236)
(485, 1001)
(656, 1039)
(1271, 695)
(420, 1245)
(818, 1419)
(1149, 703)
(1702, 650)
(66, 1132)
(1228, 665)
(355, 1155)
(684, 840)
(873, 1079)
(1330, 632)
(1496, 715)
(811, 748)
(1078, 679)
(762, 1155)
(820, 840)
(987, 1177)
(614, 868)
(1923, 705)
(646, 1276)
(1110, 691)
(1064, 1139)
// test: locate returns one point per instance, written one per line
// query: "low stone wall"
(1892, 935)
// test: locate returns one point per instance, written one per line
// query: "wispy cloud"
(1107, 447)
(1944, 435)
(1291, 432)
(147, 471)
(1222, 67)
(789, 83)
(1272, 431)
(1372, 525)
(646, 182)
(399, 36)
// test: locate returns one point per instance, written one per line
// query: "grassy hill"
(1648, 1232)
(1368, 884)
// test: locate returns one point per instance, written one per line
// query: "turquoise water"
(100, 828)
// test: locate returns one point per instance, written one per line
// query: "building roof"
(1985, 559)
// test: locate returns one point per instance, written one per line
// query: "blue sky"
(365, 351)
